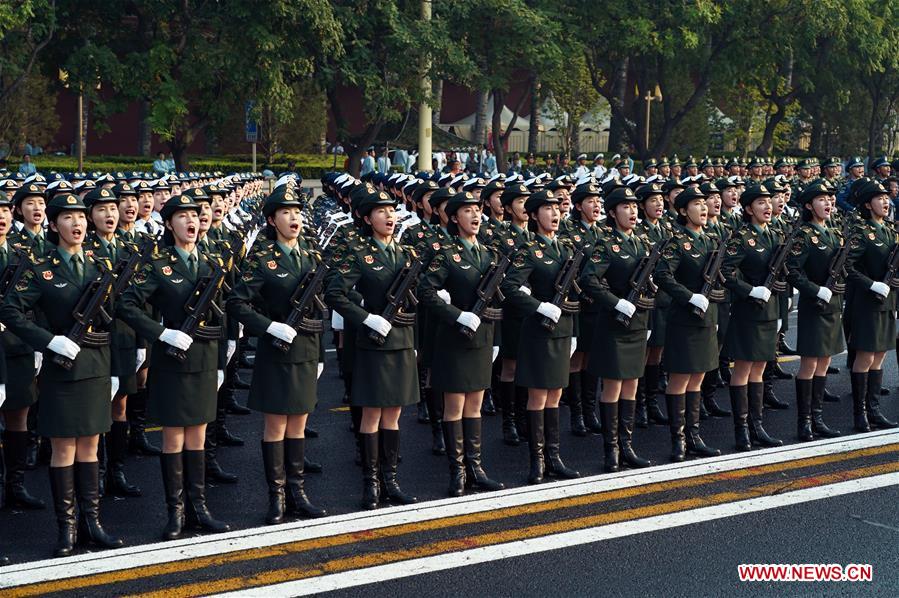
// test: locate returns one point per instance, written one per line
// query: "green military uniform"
(283, 383)
(873, 321)
(385, 375)
(584, 237)
(752, 330)
(656, 233)
(820, 331)
(542, 356)
(180, 393)
(74, 402)
(21, 389)
(618, 352)
(691, 347)
(463, 364)
(512, 240)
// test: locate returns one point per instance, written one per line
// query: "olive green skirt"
(873, 331)
(543, 362)
(179, 399)
(511, 331)
(586, 329)
(384, 378)
(619, 353)
(21, 388)
(72, 409)
(819, 334)
(690, 349)
(462, 369)
(284, 388)
(751, 340)
(658, 323)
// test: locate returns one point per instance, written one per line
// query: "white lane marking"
(485, 554)
(266, 536)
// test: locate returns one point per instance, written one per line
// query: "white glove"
(64, 346)
(2, 394)
(550, 311)
(495, 354)
(626, 307)
(38, 362)
(219, 378)
(336, 321)
(700, 301)
(114, 383)
(378, 324)
(779, 324)
(881, 288)
(176, 338)
(282, 331)
(230, 350)
(761, 293)
(444, 294)
(525, 290)
(573, 346)
(824, 294)
(240, 331)
(139, 359)
(321, 368)
(469, 320)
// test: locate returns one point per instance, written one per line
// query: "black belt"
(95, 340)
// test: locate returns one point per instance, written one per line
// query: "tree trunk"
(355, 161)
(143, 128)
(767, 144)
(815, 139)
(619, 91)
(437, 95)
(178, 148)
(534, 126)
(497, 130)
(480, 119)
(574, 124)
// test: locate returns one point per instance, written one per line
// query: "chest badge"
(177, 280)
(539, 254)
(167, 270)
(751, 242)
(457, 257)
(616, 248)
(435, 245)
(420, 235)
(47, 274)
(369, 259)
(577, 238)
(60, 285)
(271, 265)
(688, 246)
(510, 242)
(871, 236)
(814, 240)
(281, 275)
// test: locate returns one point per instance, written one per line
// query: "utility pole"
(424, 109)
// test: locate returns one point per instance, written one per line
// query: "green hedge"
(311, 166)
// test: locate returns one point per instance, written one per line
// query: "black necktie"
(77, 268)
(4, 259)
(295, 258)
(192, 265)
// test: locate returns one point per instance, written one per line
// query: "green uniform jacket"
(543, 355)
(745, 266)
(869, 255)
(367, 268)
(462, 364)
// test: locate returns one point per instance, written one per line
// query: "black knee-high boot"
(536, 443)
(676, 405)
(276, 479)
(739, 404)
(173, 485)
(757, 433)
(116, 445)
(626, 434)
(87, 482)
(507, 405)
(475, 476)
(195, 483)
(695, 444)
(859, 383)
(370, 485)
(819, 428)
(454, 441)
(575, 404)
(651, 374)
(554, 465)
(804, 409)
(589, 390)
(390, 451)
(294, 462)
(876, 419)
(611, 450)
(138, 443)
(15, 454)
(62, 486)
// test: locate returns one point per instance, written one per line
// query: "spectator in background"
(368, 163)
(27, 167)
(384, 163)
(160, 164)
(401, 159)
(171, 162)
(472, 164)
(490, 164)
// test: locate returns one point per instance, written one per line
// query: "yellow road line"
(380, 558)
(440, 523)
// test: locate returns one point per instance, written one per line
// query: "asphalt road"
(697, 559)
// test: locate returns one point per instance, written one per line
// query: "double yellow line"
(562, 525)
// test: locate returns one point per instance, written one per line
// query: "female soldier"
(656, 228)
(752, 329)
(384, 374)
(618, 351)
(284, 382)
(513, 401)
(584, 233)
(182, 394)
(691, 346)
(103, 219)
(544, 354)
(30, 206)
(870, 309)
(75, 400)
(462, 370)
(820, 327)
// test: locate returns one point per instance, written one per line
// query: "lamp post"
(650, 98)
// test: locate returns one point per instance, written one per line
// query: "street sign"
(252, 128)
